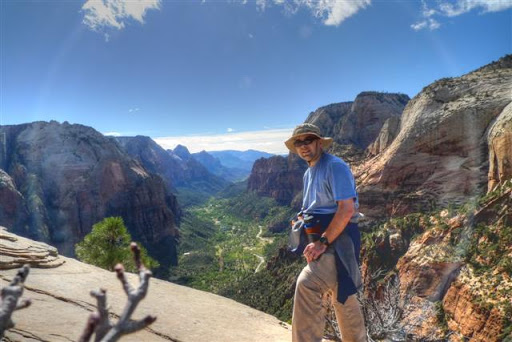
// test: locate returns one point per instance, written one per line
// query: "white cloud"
(271, 141)
(100, 15)
(456, 8)
(133, 110)
(464, 6)
(429, 23)
(331, 12)
(230, 130)
(337, 11)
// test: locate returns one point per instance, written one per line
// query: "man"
(329, 211)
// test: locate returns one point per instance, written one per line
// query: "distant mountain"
(230, 164)
(181, 172)
(214, 166)
(60, 179)
(239, 159)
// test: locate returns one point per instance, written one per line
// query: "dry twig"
(99, 322)
(11, 299)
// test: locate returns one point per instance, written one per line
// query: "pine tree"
(108, 245)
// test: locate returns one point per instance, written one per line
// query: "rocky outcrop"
(327, 118)
(16, 251)
(278, 177)
(352, 125)
(71, 176)
(358, 123)
(387, 134)
(499, 141)
(368, 113)
(13, 210)
(440, 155)
(153, 157)
(61, 305)
(470, 319)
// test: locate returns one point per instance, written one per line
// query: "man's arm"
(339, 222)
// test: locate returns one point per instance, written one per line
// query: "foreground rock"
(16, 251)
(62, 304)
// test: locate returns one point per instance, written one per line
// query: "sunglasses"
(305, 142)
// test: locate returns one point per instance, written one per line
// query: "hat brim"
(326, 141)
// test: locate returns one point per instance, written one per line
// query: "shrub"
(108, 245)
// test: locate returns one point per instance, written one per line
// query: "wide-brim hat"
(307, 128)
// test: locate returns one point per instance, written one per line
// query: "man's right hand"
(314, 250)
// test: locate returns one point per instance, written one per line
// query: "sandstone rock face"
(328, 117)
(153, 157)
(386, 136)
(352, 125)
(13, 210)
(426, 279)
(499, 140)
(61, 305)
(368, 114)
(358, 123)
(16, 251)
(469, 319)
(277, 177)
(71, 176)
(440, 154)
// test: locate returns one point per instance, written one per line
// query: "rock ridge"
(70, 177)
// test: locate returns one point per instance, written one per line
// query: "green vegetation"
(109, 244)
(223, 243)
(221, 238)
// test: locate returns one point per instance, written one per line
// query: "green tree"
(109, 244)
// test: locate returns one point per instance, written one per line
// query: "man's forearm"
(340, 220)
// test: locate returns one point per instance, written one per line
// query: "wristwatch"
(323, 239)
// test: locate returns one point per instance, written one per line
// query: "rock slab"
(61, 305)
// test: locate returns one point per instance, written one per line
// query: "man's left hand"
(314, 250)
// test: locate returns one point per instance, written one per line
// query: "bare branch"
(92, 322)
(23, 304)
(134, 326)
(137, 256)
(106, 331)
(120, 275)
(103, 325)
(10, 299)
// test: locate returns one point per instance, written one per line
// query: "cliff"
(60, 179)
(445, 275)
(441, 153)
(359, 122)
(352, 125)
(278, 177)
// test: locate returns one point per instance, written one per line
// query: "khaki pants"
(308, 321)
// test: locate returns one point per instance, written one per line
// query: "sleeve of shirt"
(342, 182)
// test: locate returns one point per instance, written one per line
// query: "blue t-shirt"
(329, 181)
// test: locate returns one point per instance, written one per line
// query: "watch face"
(324, 240)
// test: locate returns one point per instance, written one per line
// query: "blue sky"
(230, 74)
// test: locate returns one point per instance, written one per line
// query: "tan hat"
(307, 128)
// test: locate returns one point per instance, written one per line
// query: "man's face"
(308, 147)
